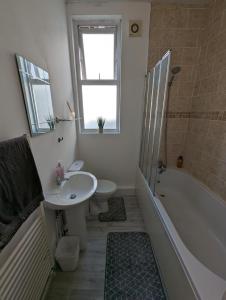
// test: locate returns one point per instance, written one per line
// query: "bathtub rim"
(182, 251)
(199, 182)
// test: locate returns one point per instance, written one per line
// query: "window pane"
(99, 55)
(99, 101)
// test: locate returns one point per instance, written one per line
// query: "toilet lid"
(76, 166)
(105, 186)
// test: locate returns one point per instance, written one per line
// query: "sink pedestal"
(72, 196)
(76, 223)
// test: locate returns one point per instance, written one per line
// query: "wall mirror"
(36, 89)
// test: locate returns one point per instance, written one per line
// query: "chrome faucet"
(59, 180)
(161, 167)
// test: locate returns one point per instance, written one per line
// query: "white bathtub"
(187, 226)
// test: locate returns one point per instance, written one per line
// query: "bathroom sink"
(75, 189)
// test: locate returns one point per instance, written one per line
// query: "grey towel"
(20, 186)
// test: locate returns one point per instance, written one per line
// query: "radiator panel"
(25, 272)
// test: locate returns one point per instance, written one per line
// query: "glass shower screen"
(154, 110)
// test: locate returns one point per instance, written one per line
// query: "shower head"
(175, 70)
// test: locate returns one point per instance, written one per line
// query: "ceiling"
(183, 2)
(102, 1)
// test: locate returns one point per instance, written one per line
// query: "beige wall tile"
(156, 18)
(186, 38)
(180, 104)
(185, 89)
(209, 84)
(223, 21)
(219, 62)
(203, 54)
(190, 55)
(198, 103)
(215, 28)
(197, 18)
(186, 73)
(178, 125)
(175, 17)
(205, 69)
(220, 41)
(218, 9)
(221, 86)
(210, 102)
(212, 48)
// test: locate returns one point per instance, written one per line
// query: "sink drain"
(73, 196)
(162, 195)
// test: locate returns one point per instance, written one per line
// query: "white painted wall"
(38, 31)
(115, 157)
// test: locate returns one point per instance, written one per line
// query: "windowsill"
(111, 132)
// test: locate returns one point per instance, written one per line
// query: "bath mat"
(131, 271)
(116, 212)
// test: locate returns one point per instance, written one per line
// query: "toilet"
(105, 189)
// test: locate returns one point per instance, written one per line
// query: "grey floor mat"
(116, 212)
(131, 270)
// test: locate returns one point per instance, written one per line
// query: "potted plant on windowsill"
(100, 123)
(51, 122)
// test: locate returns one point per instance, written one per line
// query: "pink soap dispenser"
(59, 173)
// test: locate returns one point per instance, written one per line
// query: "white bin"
(67, 253)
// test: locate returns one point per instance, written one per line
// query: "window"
(98, 59)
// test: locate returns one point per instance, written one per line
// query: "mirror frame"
(29, 72)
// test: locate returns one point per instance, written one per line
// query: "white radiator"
(26, 265)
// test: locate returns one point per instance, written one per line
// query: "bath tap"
(161, 167)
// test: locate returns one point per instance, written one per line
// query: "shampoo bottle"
(59, 173)
(180, 161)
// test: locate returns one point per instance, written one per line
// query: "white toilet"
(105, 189)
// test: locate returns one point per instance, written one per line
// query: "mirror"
(35, 84)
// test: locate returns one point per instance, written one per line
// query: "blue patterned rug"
(131, 270)
(116, 211)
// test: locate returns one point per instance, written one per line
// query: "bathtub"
(187, 227)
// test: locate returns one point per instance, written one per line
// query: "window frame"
(80, 69)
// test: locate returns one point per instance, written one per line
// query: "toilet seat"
(105, 187)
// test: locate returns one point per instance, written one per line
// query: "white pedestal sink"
(71, 196)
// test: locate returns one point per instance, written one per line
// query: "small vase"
(101, 130)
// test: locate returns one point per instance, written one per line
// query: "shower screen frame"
(156, 89)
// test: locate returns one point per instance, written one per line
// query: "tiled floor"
(87, 282)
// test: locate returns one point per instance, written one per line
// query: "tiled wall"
(178, 28)
(205, 155)
(197, 109)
